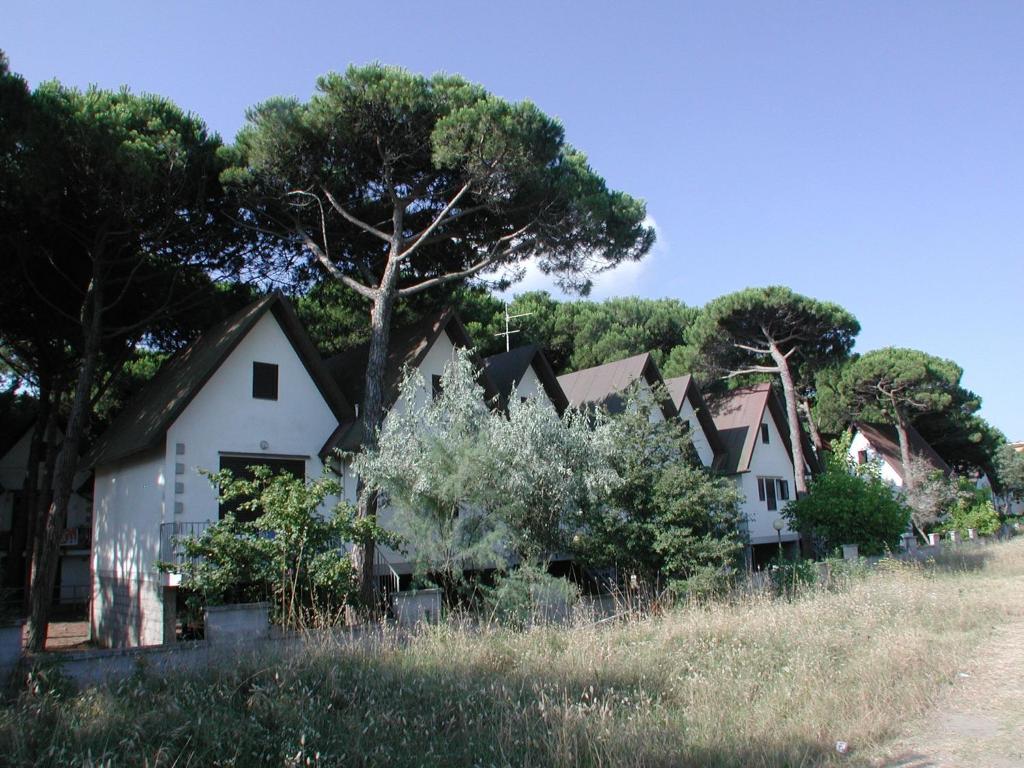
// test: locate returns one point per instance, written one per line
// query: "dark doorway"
(241, 468)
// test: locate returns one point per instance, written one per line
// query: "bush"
(850, 505)
(976, 513)
(530, 595)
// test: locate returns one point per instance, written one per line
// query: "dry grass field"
(753, 682)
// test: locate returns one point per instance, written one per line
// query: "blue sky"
(867, 153)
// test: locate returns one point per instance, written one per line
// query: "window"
(760, 488)
(264, 381)
(783, 490)
(769, 488)
(862, 457)
(241, 468)
(764, 434)
(435, 385)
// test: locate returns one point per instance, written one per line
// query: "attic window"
(264, 381)
(862, 457)
(764, 434)
(435, 385)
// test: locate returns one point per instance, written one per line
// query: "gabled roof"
(407, 347)
(884, 439)
(507, 369)
(146, 419)
(682, 388)
(604, 385)
(738, 417)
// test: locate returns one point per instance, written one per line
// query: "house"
(72, 585)
(606, 386)
(752, 425)
(426, 346)
(879, 442)
(694, 413)
(525, 372)
(251, 390)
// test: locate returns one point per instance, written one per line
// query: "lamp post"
(778, 526)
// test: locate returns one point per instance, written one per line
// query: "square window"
(264, 381)
(764, 434)
(862, 457)
(435, 385)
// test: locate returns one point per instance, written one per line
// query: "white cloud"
(625, 280)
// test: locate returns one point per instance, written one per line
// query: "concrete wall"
(768, 460)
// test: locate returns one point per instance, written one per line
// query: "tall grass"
(758, 682)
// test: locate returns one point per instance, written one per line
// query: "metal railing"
(385, 577)
(172, 537)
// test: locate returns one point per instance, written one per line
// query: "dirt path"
(979, 722)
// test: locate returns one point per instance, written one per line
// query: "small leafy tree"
(292, 554)
(974, 509)
(930, 494)
(1010, 472)
(430, 463)
(667, 520)
(850, 504)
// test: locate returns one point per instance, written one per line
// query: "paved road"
(979, 723)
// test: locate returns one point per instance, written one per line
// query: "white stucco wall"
(861, 443)
(530, 385)
(224, 418)
(700, 440)
(771, 460)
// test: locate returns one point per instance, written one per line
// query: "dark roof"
(886, 442)
(406, 348)
(507, 369)
(683, 388)
(13, 427)
(146, 419)
(603, 385)
(738, 417)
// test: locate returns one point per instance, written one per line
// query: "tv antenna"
(507, 333)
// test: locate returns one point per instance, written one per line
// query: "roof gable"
(738, 417)
(507, 369)
(884, 439)
(683, 388)
(604, 385)
(147, 417)
(407, 347)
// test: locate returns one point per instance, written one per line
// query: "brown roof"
(738, 417)
(147, 417)
(507, 369)
(886, 442)
(406, 348)
(682, 388)
(604, 385)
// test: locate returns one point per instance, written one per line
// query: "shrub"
(850, 505)
(973, 511)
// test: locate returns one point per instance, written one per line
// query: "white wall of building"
(700, 440)
(769, 460)
(861, 443)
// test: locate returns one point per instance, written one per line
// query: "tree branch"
(350, 218)
(332, 268)
(434, 224)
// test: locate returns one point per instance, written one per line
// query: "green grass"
(753, 683)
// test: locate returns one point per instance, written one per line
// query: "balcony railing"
(172, 537)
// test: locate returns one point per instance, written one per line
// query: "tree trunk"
(372, 418)
(901, 433)
(812, 426)
(44, 568)
(21, 537)
(796, 443)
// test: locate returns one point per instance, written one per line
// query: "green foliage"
(973, 509)
(528, 595)
(847, 504)
(735, 333)
(789, 577)
(292, 553)
(1010, 471)
(377, 141)
(668, 518)
(469, 486)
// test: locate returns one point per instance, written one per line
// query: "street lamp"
(778, 525)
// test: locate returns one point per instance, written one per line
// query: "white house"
(73, 566)
(607, 385)
(694, 413)
(752, 425)
(251, 390)
(879, 442)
